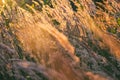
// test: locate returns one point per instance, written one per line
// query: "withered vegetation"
(59, 39)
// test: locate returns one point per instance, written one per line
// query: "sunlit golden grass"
(1, 2)
(40, 33)
(99, 24)
(47, 35)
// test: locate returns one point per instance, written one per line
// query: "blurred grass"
(85, 22)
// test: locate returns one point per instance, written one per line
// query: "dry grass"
(50, 35)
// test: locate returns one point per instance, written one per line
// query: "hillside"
(59, 39)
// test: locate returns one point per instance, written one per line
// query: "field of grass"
(60, 40)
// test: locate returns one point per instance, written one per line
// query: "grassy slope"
(44, 35)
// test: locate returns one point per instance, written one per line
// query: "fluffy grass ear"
(1, 2)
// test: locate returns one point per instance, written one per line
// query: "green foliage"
(55, 22)
(29, 58)
(118, 21)
(74, 7)
(112, 30)
(22, 3)
(29, 5)
(81, 6)
(98, 1)
(49, 3)
(99, 50)
(25, 75)
(46, 1)
(37, 5)
(6, 19)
